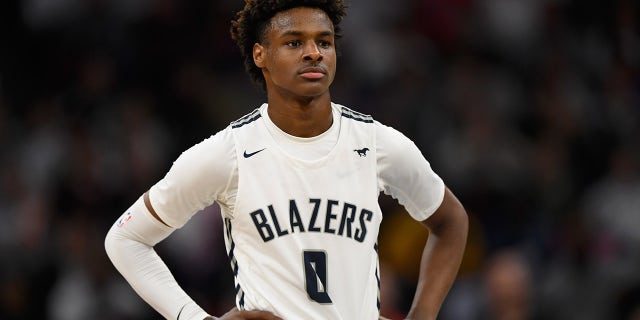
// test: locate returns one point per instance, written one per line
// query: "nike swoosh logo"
(247, 155)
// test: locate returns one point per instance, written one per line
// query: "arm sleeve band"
(129, 244)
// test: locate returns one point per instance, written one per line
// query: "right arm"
(129, 245)
(199, 176)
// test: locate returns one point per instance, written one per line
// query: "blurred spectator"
(508, 287)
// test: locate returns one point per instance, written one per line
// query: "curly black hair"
(251, 23)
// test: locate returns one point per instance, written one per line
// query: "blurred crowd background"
(529, 110)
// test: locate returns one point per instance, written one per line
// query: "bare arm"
(441, 257)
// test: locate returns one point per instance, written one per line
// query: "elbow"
(110, 244)
(115, 245)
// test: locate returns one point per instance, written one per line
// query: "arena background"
(529, 109)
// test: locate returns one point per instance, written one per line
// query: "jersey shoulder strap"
(246, 119)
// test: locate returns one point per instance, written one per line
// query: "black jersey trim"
(234, 262)
(180, 312)
(375, 248)
(251, 117)
(350, 114)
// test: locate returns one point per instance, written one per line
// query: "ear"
(259, 53)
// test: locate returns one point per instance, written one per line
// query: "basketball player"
(298, 181)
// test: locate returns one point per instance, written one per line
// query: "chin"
(312, 90)
(307, 90)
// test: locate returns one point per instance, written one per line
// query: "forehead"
(301, 19)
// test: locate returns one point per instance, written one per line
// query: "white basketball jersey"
(302, 240)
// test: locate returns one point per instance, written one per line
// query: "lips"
(312, 72)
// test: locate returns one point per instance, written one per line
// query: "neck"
(301, 117)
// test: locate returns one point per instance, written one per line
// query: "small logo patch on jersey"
(247, 155)
(361, 152)
(124, 219)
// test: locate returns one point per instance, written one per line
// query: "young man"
(298, 181)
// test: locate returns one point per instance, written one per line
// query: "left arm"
(441, 258)
(406, 175)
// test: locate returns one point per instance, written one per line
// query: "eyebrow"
(299, 33)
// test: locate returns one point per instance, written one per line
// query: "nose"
(312, 52)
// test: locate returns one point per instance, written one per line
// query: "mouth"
(312, 72)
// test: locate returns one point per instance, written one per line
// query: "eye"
(324, 44)
(293, 43)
